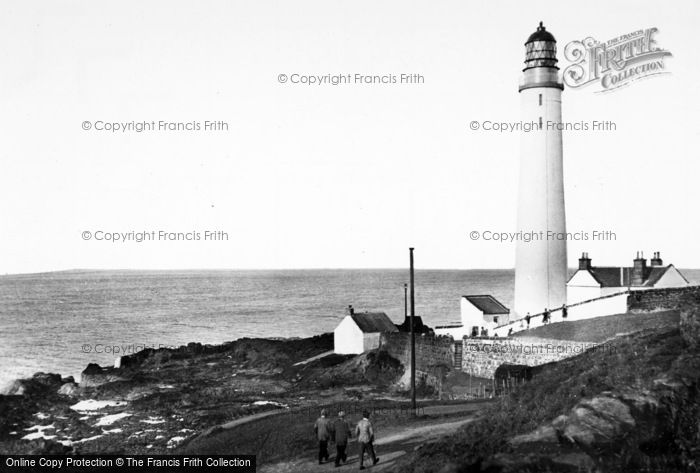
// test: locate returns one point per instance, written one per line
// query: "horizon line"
(86, 270)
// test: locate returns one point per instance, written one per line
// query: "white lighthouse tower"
(540, 264)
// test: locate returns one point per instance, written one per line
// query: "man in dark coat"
(341, 435)
(322, 429)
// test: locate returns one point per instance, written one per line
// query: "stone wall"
(482, 356)
(434, 357)
(431, 351)
(660, 299)
(690, 318)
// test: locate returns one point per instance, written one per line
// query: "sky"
(326, 176)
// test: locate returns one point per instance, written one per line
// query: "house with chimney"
(590, 282)
(359, 332)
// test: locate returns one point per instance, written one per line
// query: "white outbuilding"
(360, 332)
(480, 314)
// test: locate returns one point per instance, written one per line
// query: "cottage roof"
(487, 304)
(371, 322)
(620, 276)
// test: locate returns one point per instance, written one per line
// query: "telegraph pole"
(413, 339)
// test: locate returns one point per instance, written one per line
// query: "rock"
(599, 420)
(47, 379)
(38, 384)
(94, 375)
(560, 422)
(16, 388)
(46, 447)
(139, 393)
(69, 389)
(544, 433)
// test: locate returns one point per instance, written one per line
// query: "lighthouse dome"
(541, 49)
(541, 35)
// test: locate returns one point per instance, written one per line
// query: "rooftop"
(372, 322)
(541, 34)
(621, 276)
(487, 304)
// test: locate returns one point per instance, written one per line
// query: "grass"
(599, 329)
(635, 362)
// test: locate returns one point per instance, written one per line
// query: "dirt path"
(242, 420)
(314, 358)
(392, 444)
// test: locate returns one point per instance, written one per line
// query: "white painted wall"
(672, 278)
(370, 341)
(576, 294)
(540, 265)
(471, 315)
(457, 333)
(607, 306)
(582, 287)
(348, 339)
(595, 308)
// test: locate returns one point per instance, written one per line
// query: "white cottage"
(480, 314)
(590, 282)
(360, 332)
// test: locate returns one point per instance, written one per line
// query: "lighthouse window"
(540, 100)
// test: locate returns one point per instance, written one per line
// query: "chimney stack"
(656, 260)
(584, 262)
(350, 310)
(639, 270)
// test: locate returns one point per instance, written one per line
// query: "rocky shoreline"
(158, 399)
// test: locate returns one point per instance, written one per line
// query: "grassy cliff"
(631, 407)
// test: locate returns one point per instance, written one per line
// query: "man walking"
(341, 434)
(365, 437)
(322, 429)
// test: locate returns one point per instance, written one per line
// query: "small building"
(480, 314)
(360, 332)
(590, 282)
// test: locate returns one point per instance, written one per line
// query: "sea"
(59, 322)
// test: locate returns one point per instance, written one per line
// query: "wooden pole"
(413, 338)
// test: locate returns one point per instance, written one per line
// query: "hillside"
(599, 329)
(631, 408)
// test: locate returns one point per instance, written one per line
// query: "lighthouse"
(540, 263)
